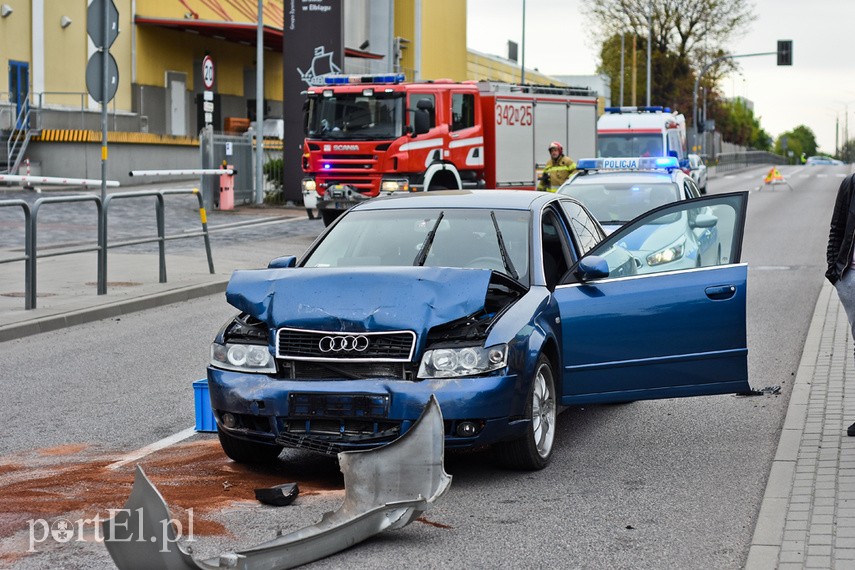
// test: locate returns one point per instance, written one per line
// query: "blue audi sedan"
(506, 305)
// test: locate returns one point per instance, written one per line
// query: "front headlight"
(395, 185)
(468, 361)
(668, 254)
(254, 358)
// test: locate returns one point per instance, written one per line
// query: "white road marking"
(151, 448)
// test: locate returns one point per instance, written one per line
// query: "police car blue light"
(628, 163)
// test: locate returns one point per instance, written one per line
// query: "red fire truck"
(368, 136)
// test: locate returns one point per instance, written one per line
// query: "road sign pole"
(102, 251)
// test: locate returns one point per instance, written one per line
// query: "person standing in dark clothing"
(840, 254)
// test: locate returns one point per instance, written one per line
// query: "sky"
(817, 91)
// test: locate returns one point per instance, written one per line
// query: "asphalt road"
(660, 484)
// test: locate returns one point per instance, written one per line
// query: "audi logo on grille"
(343, 343)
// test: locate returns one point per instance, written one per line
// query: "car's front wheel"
(244, 451)
(534, 450)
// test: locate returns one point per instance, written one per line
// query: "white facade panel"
(582, 126)
(550, 124)
(514, 142)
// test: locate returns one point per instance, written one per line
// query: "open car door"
(667, 325)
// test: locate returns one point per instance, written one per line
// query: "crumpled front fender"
(385, 488)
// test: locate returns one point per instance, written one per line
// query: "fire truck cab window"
(424, 103)
(462, 111)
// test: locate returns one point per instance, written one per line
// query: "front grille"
(333, 436)
(307, 370)
(338, 406)
(345, 162)
(325, 346)
(349, 157)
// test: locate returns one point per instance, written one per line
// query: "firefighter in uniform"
(558, 169)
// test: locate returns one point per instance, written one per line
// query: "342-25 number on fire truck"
(513, 115)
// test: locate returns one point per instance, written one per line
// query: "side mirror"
(421, 120)
(592, 267)
(283, 262)
(704, 221)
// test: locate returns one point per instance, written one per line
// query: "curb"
(109, 310)
(765, 549)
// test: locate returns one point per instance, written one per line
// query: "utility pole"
(622, 35)
(649, 42)
(634, 69)
(522, 48)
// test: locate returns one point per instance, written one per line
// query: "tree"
(737, 124)
(686, 35)
(847, 151)
(799, 140)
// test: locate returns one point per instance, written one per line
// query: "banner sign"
(312, 47)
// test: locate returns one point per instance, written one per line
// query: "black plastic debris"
(278, 496)
(767, 391)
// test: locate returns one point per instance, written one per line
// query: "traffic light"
(785, 52)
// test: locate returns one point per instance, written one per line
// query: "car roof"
(477, 199)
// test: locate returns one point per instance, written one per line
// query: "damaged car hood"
(359, 299)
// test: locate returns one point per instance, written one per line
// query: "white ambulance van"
(642, 131)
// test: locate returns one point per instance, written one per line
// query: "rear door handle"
(720, 292)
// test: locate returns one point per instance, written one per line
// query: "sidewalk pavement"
(66, 285)
(807, 517)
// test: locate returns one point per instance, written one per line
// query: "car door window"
(556, 250)
(586, 231)
(690, 234)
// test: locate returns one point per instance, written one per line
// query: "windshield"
(610, 146)
(618, 203)
(353, 116)
(395, 238)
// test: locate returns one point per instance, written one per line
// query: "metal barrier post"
(161, 232)
(28, 258)
(203, 217)
(34, 239)
(102, 251)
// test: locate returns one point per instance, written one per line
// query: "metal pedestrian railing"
(27, 258)
(31, 253)
(728, 162)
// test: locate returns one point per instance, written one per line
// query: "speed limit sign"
(208, 72)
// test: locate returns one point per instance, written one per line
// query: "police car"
(618, 190)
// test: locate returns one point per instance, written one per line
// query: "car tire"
(329, 216)
(534, 450)
(243, 451)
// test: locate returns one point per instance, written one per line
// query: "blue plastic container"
(204, 414)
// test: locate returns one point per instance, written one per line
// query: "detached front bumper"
(336, 415)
